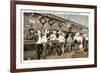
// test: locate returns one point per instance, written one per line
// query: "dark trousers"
(59, 49)
(39, 50)
(54, 48)
(44, 53)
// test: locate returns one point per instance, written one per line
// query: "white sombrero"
(38, 32)
(77, 33)
(54, 32)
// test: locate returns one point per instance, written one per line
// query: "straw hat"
(54, 32)
(84, 35)
(63, 34)
(59, 32)
(77, 34)
(38, 32)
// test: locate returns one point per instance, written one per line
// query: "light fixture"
(51, 22)
(60, 24)
(42, 20)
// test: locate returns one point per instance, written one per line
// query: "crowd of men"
(56, 42)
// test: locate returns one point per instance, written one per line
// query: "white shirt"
(44, 39)
(53, 37)
(69, 39)
(78, 38)
(39, 39)
(61, 38)
(86, 38)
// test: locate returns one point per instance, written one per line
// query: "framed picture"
(52, 36)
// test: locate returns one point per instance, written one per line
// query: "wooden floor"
(68, 55)
(64, 56)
